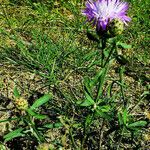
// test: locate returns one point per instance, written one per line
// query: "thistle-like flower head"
(101, 12)
(21, 103)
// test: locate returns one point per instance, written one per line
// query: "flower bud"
(21, 103)
(115, 27)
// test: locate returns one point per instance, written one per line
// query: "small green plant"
(27, 118)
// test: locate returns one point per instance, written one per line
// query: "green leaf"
(9, 119)
(41, 101)
(109, 89)
(38, 116)
(58, 125)
(137, 124)
(88, 56)
(105, 108)
(120, 119)
(88, 101)
(87, 85)
(96, 78)
(77, 125)
(104, 115)
(53, 125)
(125, 116)
(124, 45)
(50, 125)
(16, 92)
(13, 134)
(106, 53)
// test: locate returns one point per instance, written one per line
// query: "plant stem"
(111, 52)
(103, 47)
(101, 81)
(122, 82)
(33, 129)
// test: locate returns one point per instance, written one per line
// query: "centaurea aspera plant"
(109, 18)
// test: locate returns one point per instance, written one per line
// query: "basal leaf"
(88, 101)
(13, 134)
(41, 101)
(104, 115)
(38, 116)
(105, 108)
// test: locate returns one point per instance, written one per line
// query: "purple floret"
(101, 12)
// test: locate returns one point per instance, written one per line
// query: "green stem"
(105, 66)
(101, 81)
(122, 83)
(110, 54)
(103, 47)
(33, 129)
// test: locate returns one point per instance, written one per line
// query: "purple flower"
(101, 12)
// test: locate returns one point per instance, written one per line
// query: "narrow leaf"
(41, 101)
(105, 108)
(16, 92)
(87, 85)
(53, 125)
(88, 56)
(124, 45)
(120, 119)
(13, 134)
(125, 116)
(88, 101)
(101, 114)
(137, 124)
(96, 78)
(38, 116)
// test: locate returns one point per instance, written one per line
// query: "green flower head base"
(115, 28)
